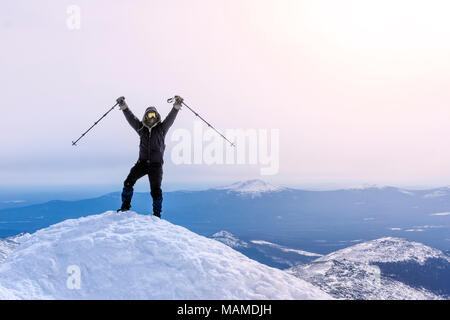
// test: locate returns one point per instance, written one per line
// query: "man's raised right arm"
(131, 118)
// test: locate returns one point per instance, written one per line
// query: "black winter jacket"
(152, 146)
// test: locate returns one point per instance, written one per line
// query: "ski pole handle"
(175, 99)
(120, 100)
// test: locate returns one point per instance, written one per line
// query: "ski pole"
(74, 143)
(171, 100)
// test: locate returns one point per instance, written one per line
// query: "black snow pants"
(155, 173)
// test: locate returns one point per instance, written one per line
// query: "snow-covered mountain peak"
(132, 256)
(255, 187)
(386, 268)
(388, 249)
(229, 239)
(366, 186)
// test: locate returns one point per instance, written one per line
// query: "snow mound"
(253, 187)
(132, 256)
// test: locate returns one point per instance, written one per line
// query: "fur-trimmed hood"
(145, 121)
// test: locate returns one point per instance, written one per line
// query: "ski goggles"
(151, 115)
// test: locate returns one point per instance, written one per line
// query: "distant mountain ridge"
(318, 221)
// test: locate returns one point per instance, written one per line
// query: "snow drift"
(132, 256)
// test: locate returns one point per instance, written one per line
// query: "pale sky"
(359, 89)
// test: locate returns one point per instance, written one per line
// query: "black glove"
(178, 102)
(122, 104)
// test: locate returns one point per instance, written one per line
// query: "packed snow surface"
(132, 256)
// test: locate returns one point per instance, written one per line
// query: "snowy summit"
(132, 256)
(252, 187)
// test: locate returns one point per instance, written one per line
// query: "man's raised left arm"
(169, 120)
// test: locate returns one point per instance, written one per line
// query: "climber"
(151, 131)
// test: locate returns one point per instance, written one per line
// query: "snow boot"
(124, 208)
(157, 207)
(127, 194)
